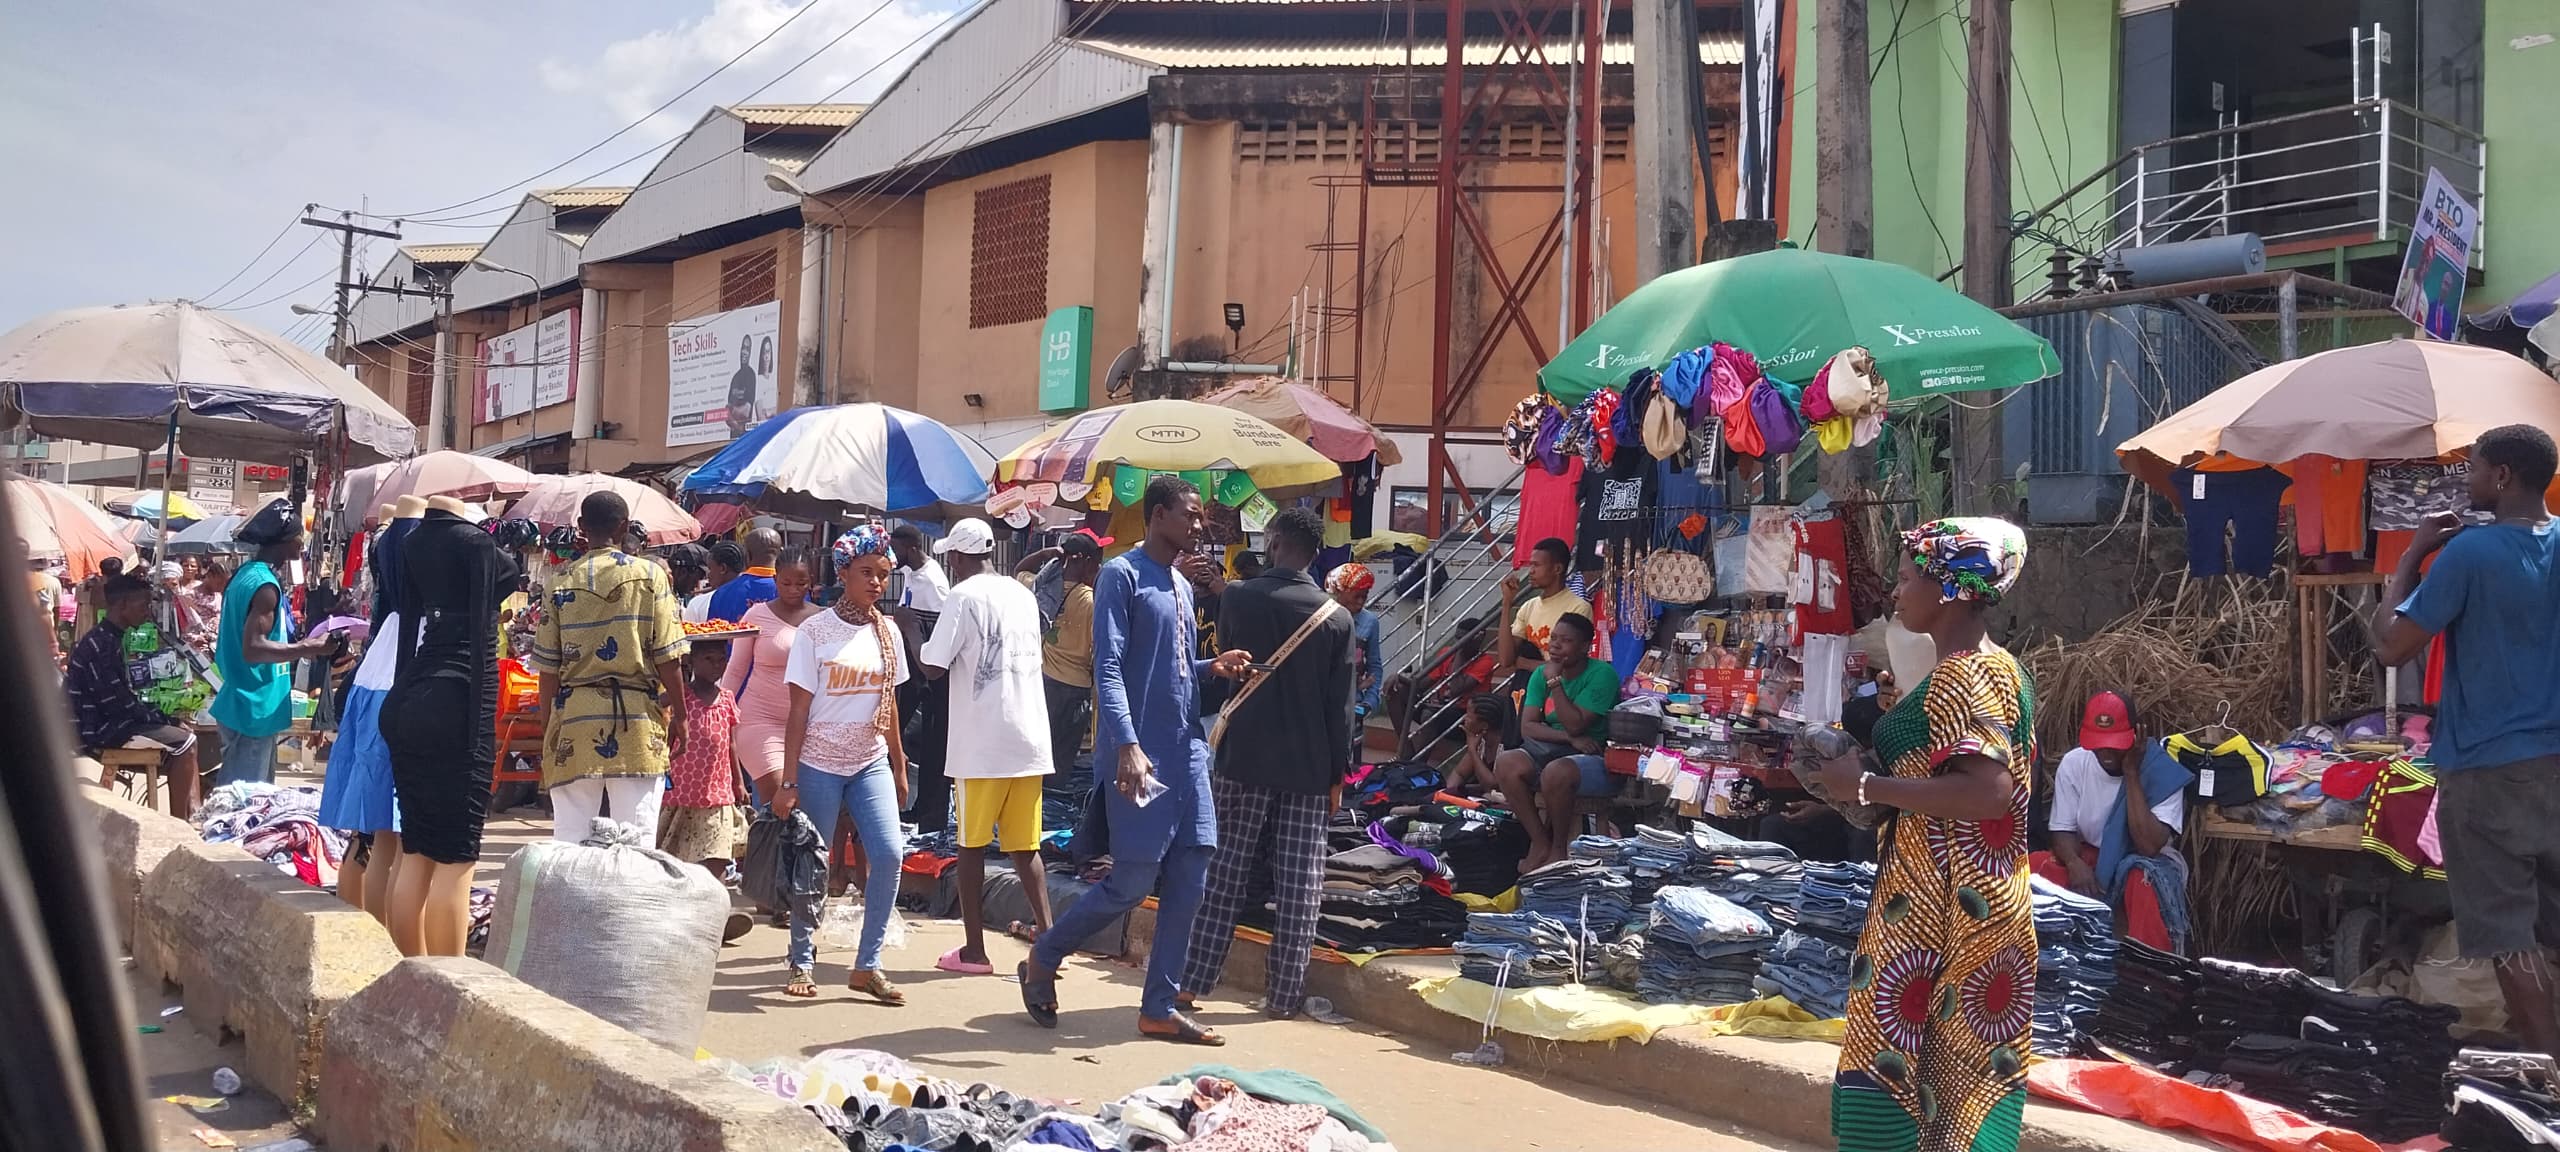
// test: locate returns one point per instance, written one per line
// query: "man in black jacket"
(1281, 762)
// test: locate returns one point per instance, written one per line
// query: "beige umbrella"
(1308, 414)
(460, 475)
(2395, 400)
(553, 502)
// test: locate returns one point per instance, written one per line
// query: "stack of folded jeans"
(1538, 950)
(1831, 901)
(1811, 972)
(1594, 896)
(1652, 858)
(1701, 948)
(2075, 966)
(2502, 1102)
(2374, 1064)
(2150, 1015)
(1760, 876)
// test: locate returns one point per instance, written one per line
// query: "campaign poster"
(2438, 263)
(722, 374)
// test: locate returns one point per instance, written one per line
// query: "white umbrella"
(125, 374)
(460, 475)
(2546, 335)
(553, 502)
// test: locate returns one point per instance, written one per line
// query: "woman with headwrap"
(1351, 585)
(842, 753)
(1942, 989)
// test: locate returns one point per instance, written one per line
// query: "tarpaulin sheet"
(1584, 1013)
(2138, 1094)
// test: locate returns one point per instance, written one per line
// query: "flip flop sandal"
(803, 985)
(1186, 1031)
(738, 926)
(1039, 997)
(951, 962)
(875, 984)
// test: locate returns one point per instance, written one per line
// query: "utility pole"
(1986, 237)
(347, 229)
(440, 414)
(1844, 198)
(1666, 102)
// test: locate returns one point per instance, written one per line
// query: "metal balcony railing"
(2345, 175)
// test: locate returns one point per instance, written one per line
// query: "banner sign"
(535, 366)
(721, 374)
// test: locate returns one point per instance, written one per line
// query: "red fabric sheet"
(2130, 1092)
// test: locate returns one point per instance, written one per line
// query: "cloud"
(839, 50)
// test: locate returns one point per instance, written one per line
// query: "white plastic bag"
(840, 927)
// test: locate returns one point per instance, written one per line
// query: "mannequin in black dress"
(441, 721)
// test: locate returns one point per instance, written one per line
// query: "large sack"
(615, 927)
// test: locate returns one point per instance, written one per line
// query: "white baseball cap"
(971, 536)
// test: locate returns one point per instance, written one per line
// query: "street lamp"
(307, 310)
(781, 181)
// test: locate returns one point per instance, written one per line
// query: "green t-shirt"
(1595, 688)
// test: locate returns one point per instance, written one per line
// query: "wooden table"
(2334, 838)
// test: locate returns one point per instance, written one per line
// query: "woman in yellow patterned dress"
(1942, 989)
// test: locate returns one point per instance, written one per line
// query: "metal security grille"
(746, 281)
(417, 399)
(1009, 254)
(1308, 141)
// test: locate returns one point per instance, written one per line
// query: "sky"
(160, 149)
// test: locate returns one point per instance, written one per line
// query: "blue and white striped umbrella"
(850, 457)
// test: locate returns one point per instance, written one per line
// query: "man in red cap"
(2109, 849)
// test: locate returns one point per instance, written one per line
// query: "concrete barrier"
(1780, 1088)
(257, 953)
(131, 841)
(452, 1055)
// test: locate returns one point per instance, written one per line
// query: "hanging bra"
(2230, 773)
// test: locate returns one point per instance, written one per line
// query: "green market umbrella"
(1794, 310)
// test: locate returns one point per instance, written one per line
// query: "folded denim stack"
(2150, 1015)
(1831, 901)
(1760, 876)
(1701, 948)
(2502, 1102)
(1595, 896)
(2374, 1064)
(1539, 950)
(1811, 972)
(2075, 966)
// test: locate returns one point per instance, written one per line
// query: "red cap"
(2108, 723)
(1084, 540)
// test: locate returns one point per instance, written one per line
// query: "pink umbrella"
(553, 502)
(460, 475)
(1309, 415)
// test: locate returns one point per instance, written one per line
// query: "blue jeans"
(1185, 869)
(247, 759)
(871, 797)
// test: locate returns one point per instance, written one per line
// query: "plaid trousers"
(1255, 825)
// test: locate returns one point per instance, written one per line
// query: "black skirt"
(441, 763)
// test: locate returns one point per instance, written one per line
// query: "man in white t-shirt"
(987, 646)
(2107, 848)
(927, 586)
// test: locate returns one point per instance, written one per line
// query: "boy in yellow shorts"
(988, 643)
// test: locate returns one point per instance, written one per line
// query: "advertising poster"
(723, 374)
(2438, 263)
(535, 366)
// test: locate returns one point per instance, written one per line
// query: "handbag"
(1676, 577)
(1315, 620)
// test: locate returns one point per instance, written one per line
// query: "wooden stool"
(144, 760)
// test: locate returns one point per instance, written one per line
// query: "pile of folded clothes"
(277, 823)
(1760, 876)
(1811, 972)
(1654, 857)
(2075, 966)
(1831, 901)
(1379, 894)
(2150, 1014)
(1481, 848)
(1701, 948)
(1577, 890)
(1518, 950)
(2374, 1064)
(2502, 1102)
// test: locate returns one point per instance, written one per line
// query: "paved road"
(971, 1028)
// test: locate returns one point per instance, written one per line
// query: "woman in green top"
(1563, 714)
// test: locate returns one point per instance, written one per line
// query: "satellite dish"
(1123, 374)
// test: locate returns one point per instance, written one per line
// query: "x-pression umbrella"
(2394, 400)
(828, 461)
(1794, 310)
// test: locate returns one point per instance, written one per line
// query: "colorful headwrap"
(1349, 578)
(867, 540)
(1974, 558)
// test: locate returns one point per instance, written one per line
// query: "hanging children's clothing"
(2243, 501)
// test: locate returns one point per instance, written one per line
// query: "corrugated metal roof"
(440, 253)
(798, 115)
(589, 196)
(712, 177)
(577, 236)
(1214, 52)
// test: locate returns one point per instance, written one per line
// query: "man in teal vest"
(255, 652)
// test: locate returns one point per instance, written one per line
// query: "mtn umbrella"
(1794, 310)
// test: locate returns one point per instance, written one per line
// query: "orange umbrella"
(2395, 400)
(54, 521)
(553, 502)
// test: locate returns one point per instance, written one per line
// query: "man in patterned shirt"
(110, 713)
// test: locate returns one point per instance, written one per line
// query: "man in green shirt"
(1564, 714)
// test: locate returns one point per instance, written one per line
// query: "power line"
(296, 290)
(272, 241)
(590, 150)
(289, 262)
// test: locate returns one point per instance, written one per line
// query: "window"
(1009, 254)
(417, 401)
(746, 281)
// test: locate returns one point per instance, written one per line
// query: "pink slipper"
(951, 962)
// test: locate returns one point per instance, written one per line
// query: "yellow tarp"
(1584, 1013)
(1509, 901)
